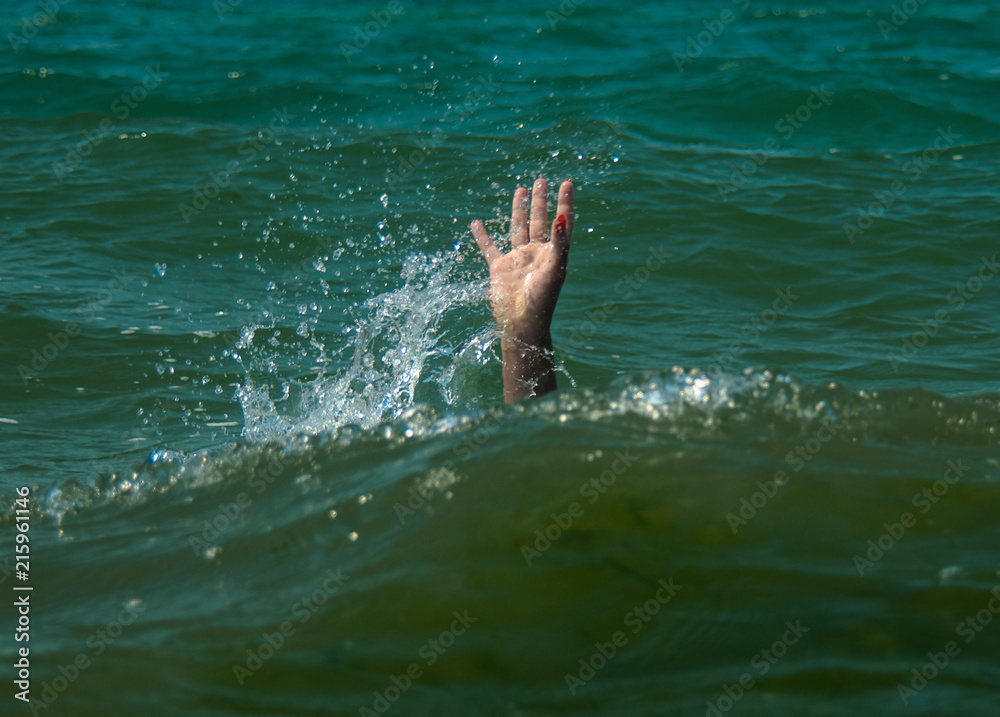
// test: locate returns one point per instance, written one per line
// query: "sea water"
(251, 387)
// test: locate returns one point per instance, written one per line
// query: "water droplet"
(946, 574)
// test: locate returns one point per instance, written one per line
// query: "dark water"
(251, 382)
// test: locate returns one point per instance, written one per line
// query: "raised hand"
(525, 284)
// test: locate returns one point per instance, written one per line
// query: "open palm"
(525, 282)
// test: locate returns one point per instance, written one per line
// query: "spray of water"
(424, 343)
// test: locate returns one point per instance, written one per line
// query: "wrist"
(523, 335)
(528, 360)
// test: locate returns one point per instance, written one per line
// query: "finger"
(563, 230)
(486, 245)
(539, 221)
(519, 219)
(560, 235)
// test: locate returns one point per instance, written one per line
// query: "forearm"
(528, 367)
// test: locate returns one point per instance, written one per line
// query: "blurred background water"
(251, 380)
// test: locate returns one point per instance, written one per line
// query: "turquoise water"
(251, 382)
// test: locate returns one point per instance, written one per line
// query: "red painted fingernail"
(561, 223)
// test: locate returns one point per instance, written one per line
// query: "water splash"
(417, 344)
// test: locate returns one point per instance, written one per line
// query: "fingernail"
(561, 223)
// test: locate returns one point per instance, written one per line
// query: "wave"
(681, 407)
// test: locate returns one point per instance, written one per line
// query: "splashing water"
(418, 344)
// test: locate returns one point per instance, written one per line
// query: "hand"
(525, 282)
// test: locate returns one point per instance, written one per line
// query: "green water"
(250, 378)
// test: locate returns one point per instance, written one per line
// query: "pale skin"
(525, 284)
